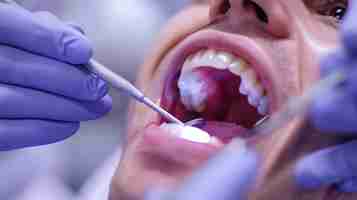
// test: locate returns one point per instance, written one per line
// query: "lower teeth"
(188, 133)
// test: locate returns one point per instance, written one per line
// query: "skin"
(293, 41)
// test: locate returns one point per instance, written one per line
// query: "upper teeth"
(250, 85)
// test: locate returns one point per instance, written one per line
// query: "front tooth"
(254, 101)
(238, 67)
(189, 58)
(243, 88)
(188, 65)
(249, 76)
(225, 58)
(197, 57)
(256, 91)
(249, 82)
(263, 106)
(221, 60)
(210, 54)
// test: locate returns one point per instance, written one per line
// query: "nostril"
(259, 11)
(225, 7)
(262, 16)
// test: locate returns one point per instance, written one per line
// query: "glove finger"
(326, 167)
(44, 35)
(15, 134)
(50, 18)
(24, 103)
(350, 85)
(47, 17)
(158, 194)
(46, 74)
(334, 61)
(349, 29)
(76, 27)
(348, 186)
(334, 112)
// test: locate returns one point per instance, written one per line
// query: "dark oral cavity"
(227, 113)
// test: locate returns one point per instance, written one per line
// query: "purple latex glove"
(336, 112)
(44, 92)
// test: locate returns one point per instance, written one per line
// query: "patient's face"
(231, 63)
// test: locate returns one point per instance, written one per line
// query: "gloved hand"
(228, 176)
(44, 91)
(336, 111)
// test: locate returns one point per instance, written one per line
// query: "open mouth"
(219, 86)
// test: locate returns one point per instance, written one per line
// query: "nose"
(271, 14)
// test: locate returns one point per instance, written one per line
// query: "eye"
(334, 8)
(338, 12)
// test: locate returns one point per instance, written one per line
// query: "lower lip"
(171, 148)
(180, 152)
(160, 144)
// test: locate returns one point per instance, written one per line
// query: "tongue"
(223, 130)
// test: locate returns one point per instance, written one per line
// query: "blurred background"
(122, 32)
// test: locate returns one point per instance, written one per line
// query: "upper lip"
(239, 45)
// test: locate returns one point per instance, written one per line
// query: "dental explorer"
(120, 83)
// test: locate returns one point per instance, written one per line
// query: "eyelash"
(335, 9)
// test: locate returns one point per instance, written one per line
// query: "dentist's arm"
(44, 91)
(336, 112)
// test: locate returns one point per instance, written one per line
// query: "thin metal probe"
(296, 106)
(120, 83)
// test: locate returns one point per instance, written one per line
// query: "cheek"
(317, 39)
(320, 40)
(317, 34)
(317, 31)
